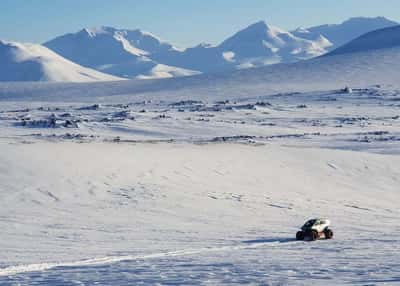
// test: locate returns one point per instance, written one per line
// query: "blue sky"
(182, 22)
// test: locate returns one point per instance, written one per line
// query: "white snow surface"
(187, 214)
(32, 62)
(204, 180)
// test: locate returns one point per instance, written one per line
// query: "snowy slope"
(123, 53)
(340, 34)
(164, 71)
(358, 69)
(379, 39)
(31, 62)
(95, 47)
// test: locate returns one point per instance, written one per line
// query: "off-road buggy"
(315, 229)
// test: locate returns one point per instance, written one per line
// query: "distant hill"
(31, 62)
(340, 34)
(379, 39)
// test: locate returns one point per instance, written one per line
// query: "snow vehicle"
(315, 229)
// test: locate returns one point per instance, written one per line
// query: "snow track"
(13, 270)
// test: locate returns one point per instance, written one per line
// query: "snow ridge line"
(14, 270)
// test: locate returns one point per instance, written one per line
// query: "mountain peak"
(4, 43)
(256, 33)
(263, 27)
(260, 24)
(95, 31)
(379, 19)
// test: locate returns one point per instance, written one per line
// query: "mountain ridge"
(375, 40)
(136, 53)
(340, 34)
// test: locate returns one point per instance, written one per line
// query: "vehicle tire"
(328, 233)
(312, 235)
(300, 235)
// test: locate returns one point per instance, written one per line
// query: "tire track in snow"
(14, 270)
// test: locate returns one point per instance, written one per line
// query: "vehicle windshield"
(310, 223)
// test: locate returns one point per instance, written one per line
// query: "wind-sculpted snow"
(365, 119)
(186, 214)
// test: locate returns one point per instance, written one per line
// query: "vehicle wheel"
(312, 235)
(299, 235)
(328, 233)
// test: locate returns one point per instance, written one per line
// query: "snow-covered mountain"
(122, 53)
(340, 34)
(138, 54)
(262, 44)
(379, 39)
(373, 67)
(258, 45)
(32, 62)
(135, 53)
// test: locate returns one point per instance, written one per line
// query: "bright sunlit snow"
(202, 179)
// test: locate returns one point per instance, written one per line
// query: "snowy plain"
(205, 179)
